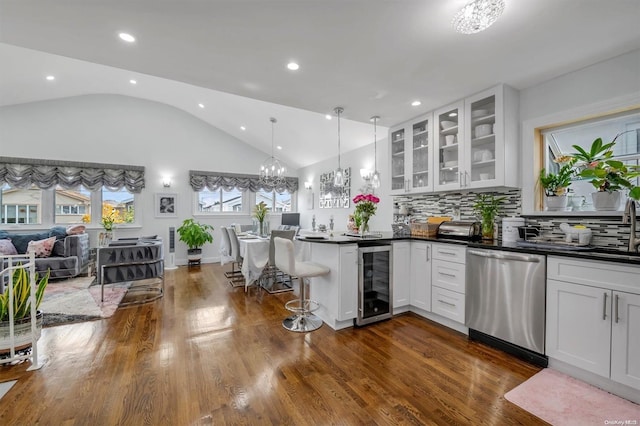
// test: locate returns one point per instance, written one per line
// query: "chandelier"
(477, 16)
(272, 170)
(338, 177)
(375, 179)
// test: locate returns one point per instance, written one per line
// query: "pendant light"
(338, 178)
(375, 179)
(272, 170)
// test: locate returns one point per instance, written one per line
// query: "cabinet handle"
(604, 307)
(616, 306)
(460, 179)
(446, 303)
(428, 250)
(466, 182)
(447, 252)
(447, 275)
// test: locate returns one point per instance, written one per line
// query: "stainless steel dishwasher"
(505, 301)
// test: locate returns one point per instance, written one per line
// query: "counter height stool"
(273, 280)
(303, 319)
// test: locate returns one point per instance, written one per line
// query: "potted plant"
(21, 310)
(195, 235)
(557, 185)
(487, 206)
(607, 175)
(260, 213)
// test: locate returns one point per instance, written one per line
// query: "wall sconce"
(366, 174)
(166, 182)
(308, 185)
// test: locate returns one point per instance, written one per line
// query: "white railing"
(11, 264)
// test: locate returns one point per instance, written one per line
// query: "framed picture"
(166, 205)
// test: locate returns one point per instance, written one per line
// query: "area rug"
(5, 386)
(562, 400)
(77, 300)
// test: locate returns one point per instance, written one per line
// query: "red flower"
(366, 197)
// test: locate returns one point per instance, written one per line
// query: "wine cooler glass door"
(374, 284)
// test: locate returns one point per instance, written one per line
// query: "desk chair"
(272, 279)
(303, 319)
(235, 275)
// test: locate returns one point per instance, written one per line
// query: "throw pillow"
(21, 241)
(7, 247)
(75, 229)
(42, 248)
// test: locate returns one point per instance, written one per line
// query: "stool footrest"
(301, 307)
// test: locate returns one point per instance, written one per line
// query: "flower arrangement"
(365, 208)
(260, 211)
(558, 184)
(110, 217)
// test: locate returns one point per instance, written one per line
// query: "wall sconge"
(307, 185)
(166, 182)
(366, 174)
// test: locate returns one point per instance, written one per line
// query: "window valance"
(45, 174)
(228, 181)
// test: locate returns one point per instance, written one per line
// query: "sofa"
(69, 256)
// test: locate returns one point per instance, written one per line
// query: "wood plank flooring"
(209, 354)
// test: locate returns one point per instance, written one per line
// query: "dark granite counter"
(592, 253)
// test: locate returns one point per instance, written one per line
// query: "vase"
(488, 229)
(556, 202)
(605, 201)
(105, 238)
(364, 224)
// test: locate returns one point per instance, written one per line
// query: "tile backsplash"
(608, 232)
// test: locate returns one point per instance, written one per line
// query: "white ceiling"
(373, 57)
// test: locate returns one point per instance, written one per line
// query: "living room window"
(72, 205)
(20, 206)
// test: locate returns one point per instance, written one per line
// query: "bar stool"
(303, 319)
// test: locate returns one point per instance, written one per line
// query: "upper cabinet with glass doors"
(450, 140)
(412, 156)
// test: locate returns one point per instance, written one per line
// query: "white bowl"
(479, 113)
(448, 124)
(452, 163)
(450, 139)
(483, 130)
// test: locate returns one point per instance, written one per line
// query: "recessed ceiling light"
(132, 81)
(293, 66)
(201, 105)
(127, 37)
(328, 117)
(453, 114)
(279, 147)
(416, 103)
(50, 78)
(243, 128)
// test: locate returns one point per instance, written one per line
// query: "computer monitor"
(291, 219)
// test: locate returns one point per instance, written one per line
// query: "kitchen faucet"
(629, 216)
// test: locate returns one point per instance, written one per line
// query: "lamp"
(477, 16)
(366, 174)
(338, 178)
(308, 185)
(166, 181)
(272, 170)
(375, 179)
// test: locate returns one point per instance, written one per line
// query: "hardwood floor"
(207, 353)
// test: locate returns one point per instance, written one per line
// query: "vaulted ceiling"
(372, 57)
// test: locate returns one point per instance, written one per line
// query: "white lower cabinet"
(401, 274)
(595, 327)
(421, 275)
(448, 281)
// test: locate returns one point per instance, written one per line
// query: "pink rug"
(562, 400)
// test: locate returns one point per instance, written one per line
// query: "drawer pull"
(447, 253)
(604, 307)
(447, 303)
(616, 306)
(447, 275)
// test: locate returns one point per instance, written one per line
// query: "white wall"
(596, 89)
(124, 130)
(361, 158)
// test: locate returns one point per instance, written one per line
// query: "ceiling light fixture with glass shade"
(338, 177)
(375, 179)
(477, 16)
(272, 170)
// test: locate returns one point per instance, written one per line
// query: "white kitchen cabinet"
(593, 317)
(412, 156)
(401, 274)
(484, 149)
(348, 304)
(421, 275)
(448, 276)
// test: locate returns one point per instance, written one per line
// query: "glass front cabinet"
(412, 156)
(472, 143)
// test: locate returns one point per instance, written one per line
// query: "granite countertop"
(592, 253)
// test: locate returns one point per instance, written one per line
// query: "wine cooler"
(374, 284)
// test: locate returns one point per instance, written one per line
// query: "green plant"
(557, 184)
(487, 206)
(21, 291)
(195, 234)
(606, 173)
(260, 211)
